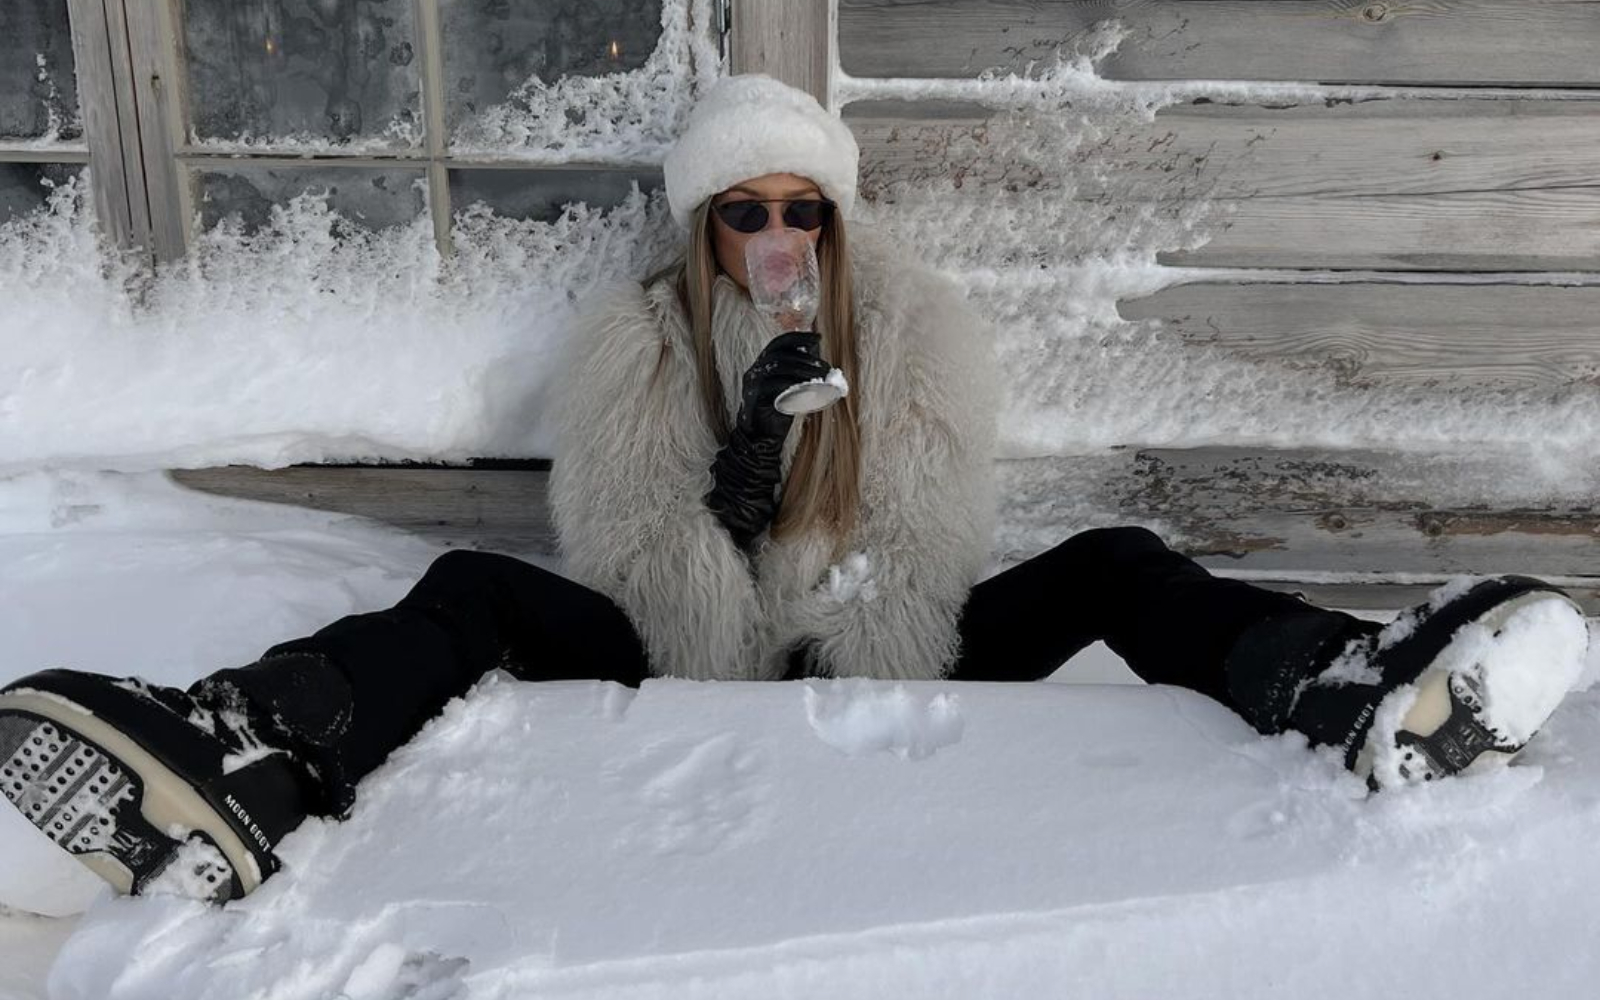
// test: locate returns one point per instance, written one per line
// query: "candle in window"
(614, 50)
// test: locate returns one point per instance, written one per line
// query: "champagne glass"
(786, 287)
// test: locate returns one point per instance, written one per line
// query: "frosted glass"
(541, 195)
(38, 91)
(493, 47)
(25, 187)
(303, 72)
(368, 198)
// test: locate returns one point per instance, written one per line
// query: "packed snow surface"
(841, 838)
(698, 840)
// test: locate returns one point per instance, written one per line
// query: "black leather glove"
(746, 472)
(788, 360)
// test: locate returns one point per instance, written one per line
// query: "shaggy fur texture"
(634, 464)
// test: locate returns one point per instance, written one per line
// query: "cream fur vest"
(634, 454)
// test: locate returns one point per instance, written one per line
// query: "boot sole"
(119, 810)
(1495, 684)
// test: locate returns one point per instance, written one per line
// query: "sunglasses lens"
(806, 215)
(743, 216)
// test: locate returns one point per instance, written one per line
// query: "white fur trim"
(751, 125)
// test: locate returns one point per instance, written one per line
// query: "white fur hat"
(750, 125)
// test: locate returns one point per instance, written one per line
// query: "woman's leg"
(1473, 673)
(364, 685)
(155, 788)
(1173, 622)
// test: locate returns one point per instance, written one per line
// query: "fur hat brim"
(751, 125)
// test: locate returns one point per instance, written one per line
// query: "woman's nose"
(775, 217)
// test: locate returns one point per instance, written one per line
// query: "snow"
(859, 717)
(1545, 632)
(848, 838)
(701, 841)
(62, 130)
(290, 345)
(1047, 240)
(128, 574)
(187, 876)
(105, 571)
(29, 944)
(851, 579)
(387, 352)
(628, 117)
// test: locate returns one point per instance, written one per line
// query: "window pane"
(554, 80)
(303, 73)
(541, 195)
(368, 198)
(38, 91)
(26, 187)
(493, 47)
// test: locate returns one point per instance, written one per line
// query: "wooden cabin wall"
(1447, 225)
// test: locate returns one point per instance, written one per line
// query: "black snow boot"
(1464, 679)
(152, 788)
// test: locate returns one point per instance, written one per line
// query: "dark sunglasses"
(751, 216)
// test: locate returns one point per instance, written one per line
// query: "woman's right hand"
(747, 470)
(788, 360)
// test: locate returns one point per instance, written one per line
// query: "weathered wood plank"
(1369, 333)
(1427, 488)
(102, 96)
(790, 41)
(504, 510)
(158, 92)
(1306, 518)
(1377, 595)
(1335, 523)
(1387, 147)
(1550, 230)
(1387, 184)
(1470, 42)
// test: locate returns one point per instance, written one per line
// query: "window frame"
(171, 170)
(132, 90)
(99, 148)
(136, 113)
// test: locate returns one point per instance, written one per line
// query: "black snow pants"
(1166, 616)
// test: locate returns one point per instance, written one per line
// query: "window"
(42, 147)
(397, 112)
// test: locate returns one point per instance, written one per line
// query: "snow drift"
(914, 840)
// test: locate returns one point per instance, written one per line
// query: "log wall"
(1438, 231)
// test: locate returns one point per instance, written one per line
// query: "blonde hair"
(823, 488)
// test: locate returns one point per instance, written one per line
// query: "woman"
(710, 536)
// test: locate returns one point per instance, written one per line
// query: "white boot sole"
(95, 773)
